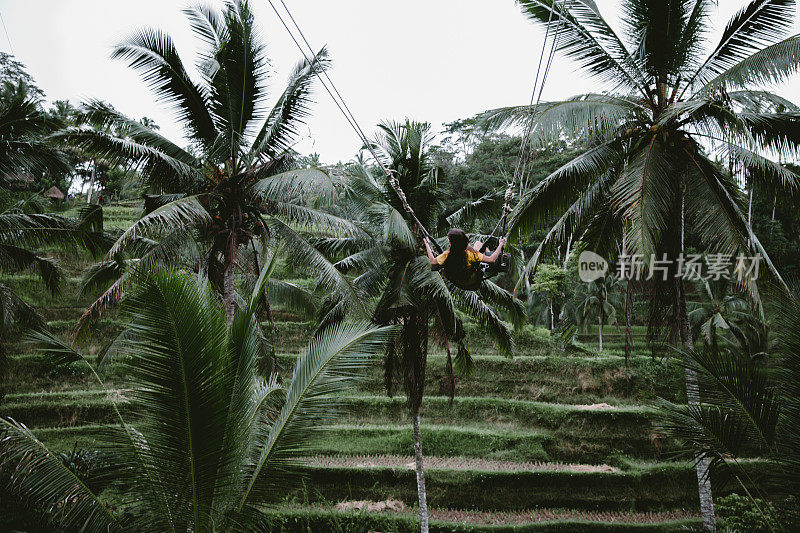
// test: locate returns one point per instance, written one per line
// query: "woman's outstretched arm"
(493, 257)
(431, 255)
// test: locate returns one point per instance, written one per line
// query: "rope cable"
(528, 155)
(10, 46)
(522, 160)
(342, 105)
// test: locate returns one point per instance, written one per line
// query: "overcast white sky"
(433, 60)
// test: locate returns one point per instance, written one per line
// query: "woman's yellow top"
(472, 257)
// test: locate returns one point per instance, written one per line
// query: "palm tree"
(25, 128)
(234, 187)
(648, 173)
(752, 408)
(599, 298)
(391, 267)
(214, 442)
(718, 309)
(25, 227)
(546, 289)
(24, 235)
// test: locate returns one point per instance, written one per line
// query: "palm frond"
(177, 216)
(764, 171)
(43, 230)
(316, 220)
(47, 482)
(23, 125)
(666, 34)
(504, 301)
(603, 56)
(154, 54)
(292, 297)
(101, 275)
(16, 313)
(209, 26)
(311, 183)
(759, 24)
(236, 84)
(787, 324)
(486, 207)
(568, 227)
(726, 230)
(582, 116)
(558, 191)
(305, 256)
(772, 64)
(97, 309)
(324, 368)
(178, 359)
(14, 259)
(283, 123)
(471, 304)
(645, 195)
(759, 101)
(157, 167)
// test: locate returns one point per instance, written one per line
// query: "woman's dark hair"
(456, 263)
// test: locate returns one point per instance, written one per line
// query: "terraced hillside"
(549, 440)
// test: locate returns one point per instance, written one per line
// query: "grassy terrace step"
(661, 487)
(445, 441)
(450, 463)
(34, 373)
(558, 378)
(568, 433)
(566, 379)
(34, 292)
(472, 427)
(634, 486)
(306, 518)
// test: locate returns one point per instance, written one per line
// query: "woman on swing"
(460, 264)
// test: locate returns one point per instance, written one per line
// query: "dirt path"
(451, 463)
(513, 517)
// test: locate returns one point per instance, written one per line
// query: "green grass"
(655, 488)
(565, 379)
(557, 378)
(442, 437)
(306, 519)
(518, 410)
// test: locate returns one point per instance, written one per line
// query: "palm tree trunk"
(422, 495)
(552, 316)
(600, 330)
(628, 313)
(774, 203)
(228, 287)
(91, 183)
(415, 358)
(693, 389)
(693, 397)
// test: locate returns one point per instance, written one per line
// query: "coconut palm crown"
(234, 185)
(669, 110)
(213, 442)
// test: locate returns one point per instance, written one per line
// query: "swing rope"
(340, 103)
(526, 154)
(337, 98)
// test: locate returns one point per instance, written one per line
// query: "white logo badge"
(591, 266)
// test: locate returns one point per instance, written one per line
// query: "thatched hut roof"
(54, 193)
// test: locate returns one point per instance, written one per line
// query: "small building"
(19, 181)
(55, 194)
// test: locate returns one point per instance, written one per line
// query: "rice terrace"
(455, 266)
